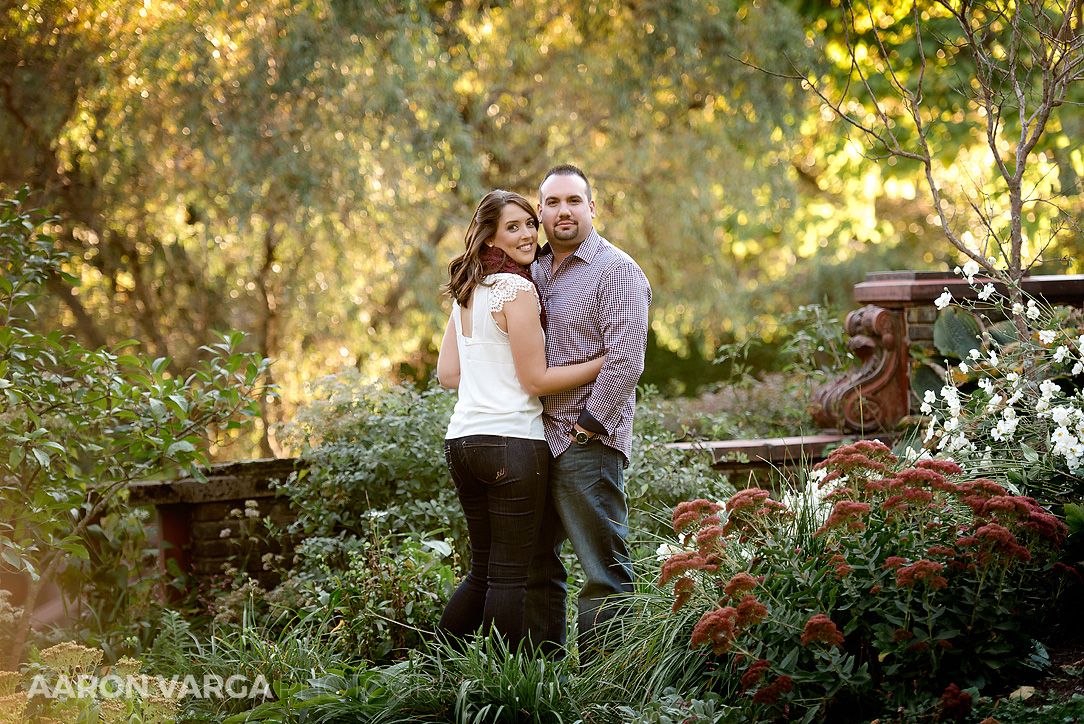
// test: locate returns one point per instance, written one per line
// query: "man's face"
(566, 213)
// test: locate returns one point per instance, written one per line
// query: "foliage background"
(303, 171)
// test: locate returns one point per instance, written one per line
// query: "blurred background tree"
(303, 171)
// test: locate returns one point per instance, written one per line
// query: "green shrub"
(375, 455)
(387, 596)
(1026, 711)
(898, 590)
(376, 461)
(78, 425)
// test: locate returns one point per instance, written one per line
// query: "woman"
(494, 352)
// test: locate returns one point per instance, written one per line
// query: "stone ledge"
(773, 451)
(895, 290)
(247, 479)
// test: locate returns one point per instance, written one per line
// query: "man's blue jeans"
(587, 507)
(501, 483)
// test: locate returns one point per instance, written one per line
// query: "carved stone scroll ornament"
(876, 395)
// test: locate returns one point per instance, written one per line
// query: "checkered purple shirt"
(596, 303)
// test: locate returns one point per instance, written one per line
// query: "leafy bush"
(1022, 711)
(78, 425)
(753, 404)
(374, 453)
(877, 588)
(387, 597)
(375, 460)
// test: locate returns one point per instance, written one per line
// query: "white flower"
(252, 513)
(1017, 308)
(986, 292)
(987, 385)
(963, 368)
(994, 402)
(1013, 377)
(1061, 415)
(925, 408)
(1049, 388)
(1078, 368)
(931, 429)
(1033, 310)
(957, 443)
(952, 398)
(1063, 440)
(975, 353)
(251, 504)
(224, 533)
(993, 358)
(971, 268)
(944, 300)
(1061, 354)
(1047, 336)
(1005, 429)
(665, 550)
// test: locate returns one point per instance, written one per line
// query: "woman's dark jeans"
(501, 482)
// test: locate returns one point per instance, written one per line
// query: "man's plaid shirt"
(596, 303)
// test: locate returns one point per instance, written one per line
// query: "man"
(596, 300)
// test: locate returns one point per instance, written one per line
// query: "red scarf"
(495, 261)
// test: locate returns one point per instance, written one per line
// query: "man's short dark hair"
(565, 169)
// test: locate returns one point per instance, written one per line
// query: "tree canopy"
(303, 171)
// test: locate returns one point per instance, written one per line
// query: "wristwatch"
(581, 437)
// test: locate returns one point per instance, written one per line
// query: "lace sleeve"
(506, 287)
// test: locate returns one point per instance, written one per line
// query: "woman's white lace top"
(491, 400)
(506, 287)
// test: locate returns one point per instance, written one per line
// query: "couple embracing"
(566, 323)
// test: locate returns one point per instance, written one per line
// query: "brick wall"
(204, 526)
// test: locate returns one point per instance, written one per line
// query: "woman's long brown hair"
(466, 271)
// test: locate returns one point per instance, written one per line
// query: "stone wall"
(205, 527)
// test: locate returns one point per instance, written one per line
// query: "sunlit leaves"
(78, 425)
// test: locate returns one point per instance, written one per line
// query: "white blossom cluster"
(1067, 440)
(1007, 408)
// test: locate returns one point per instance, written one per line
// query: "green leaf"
(439, 546)
(12, 559)
(956, 332)
(16, 456)
(42, 457)
(77, 550)
(180, 446)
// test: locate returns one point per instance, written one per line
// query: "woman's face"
(517, 234)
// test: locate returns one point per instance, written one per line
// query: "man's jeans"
(501, 483)
(586, 506)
